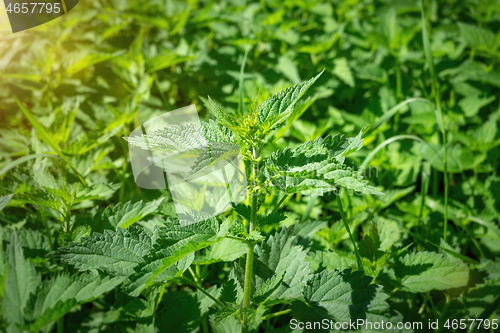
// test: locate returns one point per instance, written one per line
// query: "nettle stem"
(247, 288)
(346, 225)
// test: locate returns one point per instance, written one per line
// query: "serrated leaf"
(243, 210)
(88, 141)
(424, 271)
(268, 288)
(210, 156)
(330, 260)
(95, 192)
(35, 244)
(4, 200)
(184, 137)
(273, 218)
(225, 250)
(316, 167)
(225, 322)
(176, 242)
(491, 267)
(342, 70)
(225, 119)
(472, 104)
(57, 296)
(116, 252)
(280, 256)
(182, 311)
(122, 216)
(341, 296)
(232, 291)
(51, 314)
(276, 109)
(478, 38)
(22, 281)
(482, 296)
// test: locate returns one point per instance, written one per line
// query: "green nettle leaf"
(94, 192)
(317, 167)
(225, 250)
(330, 260)
(424, 271)
(183, 311)
(184, 137)
(222, 117)
(88, 141)
(225, 321)
(268, 289)
(122, 216)
(22, 281)
(273, 218)
(343, 71)
(491, 267)
(281, 268)
(175, 243)
(51, 315)
(228, 319)
(341, 296)
(116, 252)
(278, 108)
(4, 200)
(214, 153)
(232, 291)
(34, 243)
(57, 296)
(478, 38)
(482, 296)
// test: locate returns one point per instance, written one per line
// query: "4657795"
(34, 7)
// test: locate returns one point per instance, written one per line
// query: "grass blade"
(241, 106)
(391, 140)
(389, 114)
(346, 225)
(439, 113)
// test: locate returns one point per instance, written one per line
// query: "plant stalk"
(439, 113)
(346, 225)
(200, 288)
(276, 314)
(247, 288)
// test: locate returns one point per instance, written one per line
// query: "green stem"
(60, 325)
(346, 225)
(423, 192)
(276, 314)
(398, 80)
(279, 203)
(162, 96)
(248, 276)
(439, 113)
(200, 288)
(247, 290)
(193, 274)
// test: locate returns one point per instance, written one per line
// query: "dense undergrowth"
(407, 99)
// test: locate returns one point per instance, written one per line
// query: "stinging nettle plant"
(270, 274)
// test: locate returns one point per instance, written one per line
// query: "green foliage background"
(86, 80)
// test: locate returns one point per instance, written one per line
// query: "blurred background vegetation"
(95, 74)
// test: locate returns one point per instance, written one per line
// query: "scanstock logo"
(25, 14)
